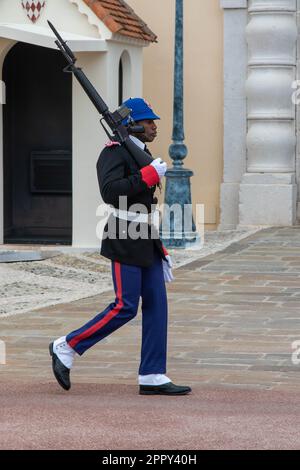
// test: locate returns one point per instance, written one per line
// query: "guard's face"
(150, 130)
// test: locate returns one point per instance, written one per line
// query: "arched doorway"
(37, 136)
(125, 80)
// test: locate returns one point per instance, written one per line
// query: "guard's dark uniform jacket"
(119, 175)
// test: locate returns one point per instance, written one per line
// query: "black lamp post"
(178, 228)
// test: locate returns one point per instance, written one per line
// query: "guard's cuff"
(164, 250)
(150, 175)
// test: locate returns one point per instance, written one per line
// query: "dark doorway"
(37, 120)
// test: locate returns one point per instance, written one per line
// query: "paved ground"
(65, 274)
(233, 319)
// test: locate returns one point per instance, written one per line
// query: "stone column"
(268, 191)
(235, 112)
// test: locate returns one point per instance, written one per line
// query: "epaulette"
(112, 143)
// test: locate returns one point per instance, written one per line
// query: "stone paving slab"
(96, 416)
(231, 331)
(65, 274)
(76, 273)
(230, 321)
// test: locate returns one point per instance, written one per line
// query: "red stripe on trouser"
(109, 316)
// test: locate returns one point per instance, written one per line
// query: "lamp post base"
(178, 229)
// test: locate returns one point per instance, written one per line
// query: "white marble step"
(15, 256)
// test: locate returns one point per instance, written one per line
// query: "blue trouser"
(131, 283)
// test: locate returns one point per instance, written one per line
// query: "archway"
(124, 77)
(37, 150)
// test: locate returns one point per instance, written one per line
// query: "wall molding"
(233, 4)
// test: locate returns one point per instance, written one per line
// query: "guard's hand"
(160, 166)
(167, 268)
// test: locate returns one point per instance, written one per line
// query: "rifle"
(119, 132)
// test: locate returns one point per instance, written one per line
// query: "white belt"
(135, 217)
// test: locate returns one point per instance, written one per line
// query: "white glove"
(167, 267)
(160, 166)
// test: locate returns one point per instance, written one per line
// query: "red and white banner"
(33, 8)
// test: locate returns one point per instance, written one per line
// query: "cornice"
(233, 4)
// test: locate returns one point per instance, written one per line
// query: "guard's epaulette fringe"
(111, 143)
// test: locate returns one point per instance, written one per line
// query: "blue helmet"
(141, 110)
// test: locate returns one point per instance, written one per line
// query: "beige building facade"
(48, 126)
(203, 88)
(241, 63)
(101, 44)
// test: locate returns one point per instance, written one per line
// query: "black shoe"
(165, 389)
(61, 372)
